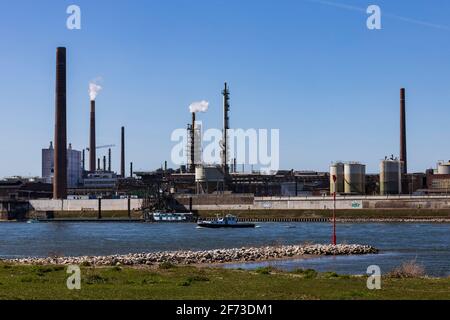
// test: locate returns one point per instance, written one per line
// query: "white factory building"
(74, 167)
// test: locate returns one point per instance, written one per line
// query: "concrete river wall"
(212, 203)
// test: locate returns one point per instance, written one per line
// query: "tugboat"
(229, 221)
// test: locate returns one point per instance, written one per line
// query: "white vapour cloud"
(200, 106)
(94, 89)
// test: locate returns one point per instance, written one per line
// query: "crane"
(103, 147)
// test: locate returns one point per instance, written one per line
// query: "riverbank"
(342, 216)
(193, 283)
(217, 256)
(365, 214)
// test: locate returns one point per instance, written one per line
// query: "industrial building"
(438, 180)
(74, 166)
(65, 168)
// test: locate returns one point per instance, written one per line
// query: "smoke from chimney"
(200, 106)
(94, 89)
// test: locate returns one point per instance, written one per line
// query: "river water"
(427, 243)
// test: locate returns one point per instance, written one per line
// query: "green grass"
(42, 282)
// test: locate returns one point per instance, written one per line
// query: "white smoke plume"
(200, 106)
(94, 89)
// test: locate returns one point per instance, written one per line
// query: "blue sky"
(307, 67)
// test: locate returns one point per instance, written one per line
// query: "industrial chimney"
(403, 154)
(122, 154)
(109, 160)
(226, 126)
(192, 169)
(83, 161)
(92, 143)
(60, 153)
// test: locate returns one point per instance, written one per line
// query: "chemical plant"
(66, 176)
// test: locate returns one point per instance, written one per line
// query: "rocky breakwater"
(204, 257)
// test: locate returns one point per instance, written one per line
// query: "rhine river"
(426, 243)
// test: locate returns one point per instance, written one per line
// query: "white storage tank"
(200, 175)
(337, 169)
(354, 178)
(443, 168)
(390, 177)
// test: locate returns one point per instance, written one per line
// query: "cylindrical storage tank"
(390, 177)
(337, 169)
(444, 168)
(200, 175)
(354, 178)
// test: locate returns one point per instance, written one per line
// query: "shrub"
(199, 278)
(409, 269)
(116, 268)
(307, 274)
(43, 270)
(330, 275)
(95, 279)
(265, 270)
(192, 279)
(185, 283)
(166, 265)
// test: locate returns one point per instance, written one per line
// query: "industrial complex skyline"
(313, 71)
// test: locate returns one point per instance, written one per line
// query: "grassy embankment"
(168, 282)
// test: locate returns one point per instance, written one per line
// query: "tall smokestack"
(83, 161)
(92, 143)
(122, 154)
(403, 154)
(98, 164)
(60, 153)
(131, 170)
(104, 163)
(192, 169)
(226, 126)
(109, 159)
